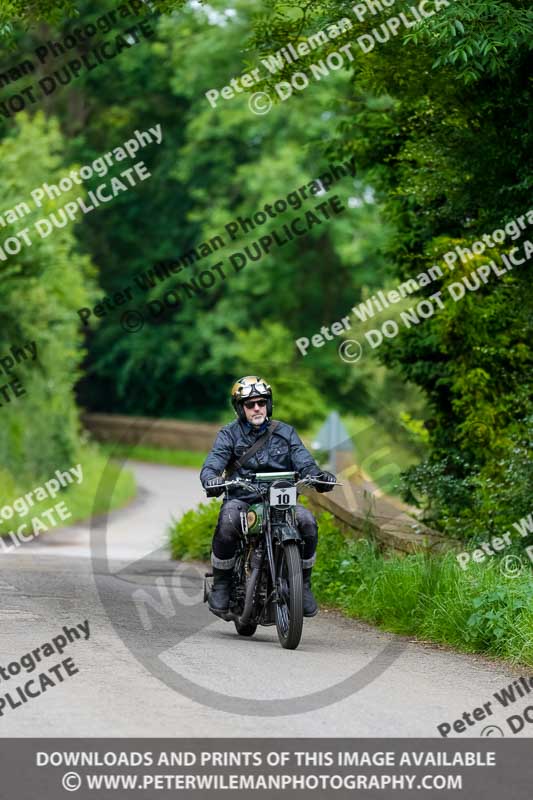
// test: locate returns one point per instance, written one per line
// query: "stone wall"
(169, 433)
(376, 518)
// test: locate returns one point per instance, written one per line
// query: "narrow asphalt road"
(156, 663)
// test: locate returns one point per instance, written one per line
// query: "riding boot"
(218, 598)
(310, 605)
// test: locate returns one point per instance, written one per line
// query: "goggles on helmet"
(254, 390)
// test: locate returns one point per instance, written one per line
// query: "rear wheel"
(289, 608)
(246, 629)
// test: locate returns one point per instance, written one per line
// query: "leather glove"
(330, 478)
(214, 487)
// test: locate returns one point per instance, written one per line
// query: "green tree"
(216, 165)
(438, 117)
(41, 288)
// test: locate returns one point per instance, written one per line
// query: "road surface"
(165, 667)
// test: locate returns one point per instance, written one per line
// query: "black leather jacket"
(284, 452)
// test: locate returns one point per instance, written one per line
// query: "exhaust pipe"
(249, 597)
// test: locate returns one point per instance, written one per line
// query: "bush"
(42, 287)
(471, 501)
(191, 536)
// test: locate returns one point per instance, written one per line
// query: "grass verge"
(428, 596)
(78, 497)
(156, 455)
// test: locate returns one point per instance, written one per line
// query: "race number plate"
(283, 496)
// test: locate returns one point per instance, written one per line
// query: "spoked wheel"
(289, 608)
(246, 629)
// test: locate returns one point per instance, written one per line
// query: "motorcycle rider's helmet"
(245, 389)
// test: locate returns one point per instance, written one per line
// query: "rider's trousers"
(228, 530)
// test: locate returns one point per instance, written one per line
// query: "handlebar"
(309, 480)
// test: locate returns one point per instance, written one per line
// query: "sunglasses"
(249, 404)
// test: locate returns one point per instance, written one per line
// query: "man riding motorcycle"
(281, 451)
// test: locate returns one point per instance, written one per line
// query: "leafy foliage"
(190, 537)
(478, 610)
(217, 165)
(17, 13)
(41, 288)
(438, 116)
(437, 122)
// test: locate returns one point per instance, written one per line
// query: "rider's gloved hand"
(329, 478)
(214, 487)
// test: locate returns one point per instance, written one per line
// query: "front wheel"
(289, 607)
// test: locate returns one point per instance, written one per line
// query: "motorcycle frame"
(282, 531)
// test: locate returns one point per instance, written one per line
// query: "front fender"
(286, 533)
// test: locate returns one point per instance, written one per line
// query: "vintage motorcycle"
(267, 585)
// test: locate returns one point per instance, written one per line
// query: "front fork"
(276, 579)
